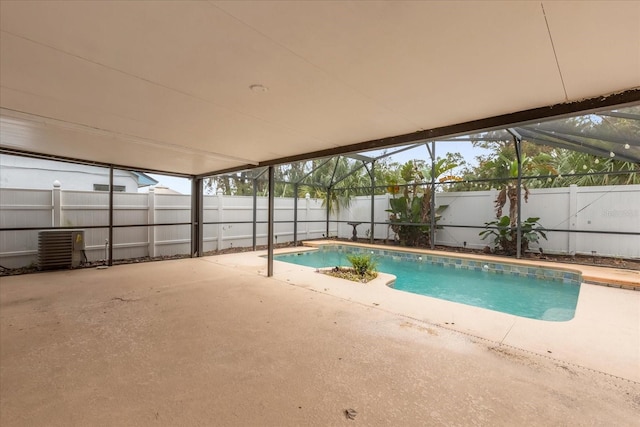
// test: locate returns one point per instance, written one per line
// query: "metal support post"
(373, 199)
(328, 209)
(295, 214)
(432, 219)
(270, 224)
(110, 260)
(255, 212)
(519, 196)
(197, 212)
(517, 140)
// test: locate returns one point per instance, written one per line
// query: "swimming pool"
(532, 292)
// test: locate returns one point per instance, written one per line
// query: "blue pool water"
(522, 296)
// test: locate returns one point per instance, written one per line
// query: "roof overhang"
(171, 86)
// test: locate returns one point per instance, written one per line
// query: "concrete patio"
(212, 341)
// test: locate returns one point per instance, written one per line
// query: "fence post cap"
(56, 184)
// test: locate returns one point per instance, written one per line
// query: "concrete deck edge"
(596, 275)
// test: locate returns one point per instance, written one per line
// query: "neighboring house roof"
(144, 180)
(27, 172)
(161, 189)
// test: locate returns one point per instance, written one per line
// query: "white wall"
(25, 172)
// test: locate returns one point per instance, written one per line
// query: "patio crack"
(124, 299)
(508, 331)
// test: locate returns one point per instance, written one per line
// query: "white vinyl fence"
(605, 209)
(587, 209)
(228, 211)
(22, 208)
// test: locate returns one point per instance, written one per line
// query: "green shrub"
(362, 263)
(504, 234)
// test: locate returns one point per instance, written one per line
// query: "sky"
(182, 185)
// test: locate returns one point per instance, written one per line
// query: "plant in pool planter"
(363, 264)
(504, 234)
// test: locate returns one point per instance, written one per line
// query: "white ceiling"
(165, 85)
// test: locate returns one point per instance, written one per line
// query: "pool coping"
(603, 335)
(595, 275)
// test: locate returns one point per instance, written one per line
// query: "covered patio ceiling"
(198, 87)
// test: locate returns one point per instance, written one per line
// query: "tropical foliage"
(335, 181)
(410, 213)
(504, 229)
(505, 237)
(545, 166)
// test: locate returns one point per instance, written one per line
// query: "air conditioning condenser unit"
(60, 249)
